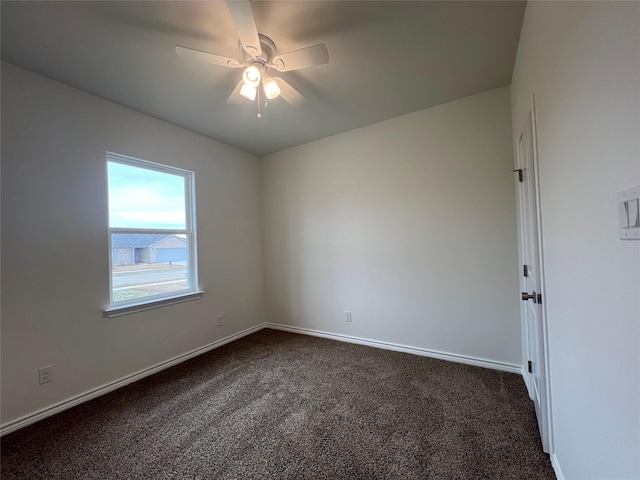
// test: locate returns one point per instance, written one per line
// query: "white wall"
(55, 280)
(408, 223)
(582, 61)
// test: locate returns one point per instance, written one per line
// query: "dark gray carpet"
(277, 405)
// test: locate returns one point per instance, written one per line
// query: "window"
(152, 242)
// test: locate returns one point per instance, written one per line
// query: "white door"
(533, 322)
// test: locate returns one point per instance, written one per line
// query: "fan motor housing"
(268, 50)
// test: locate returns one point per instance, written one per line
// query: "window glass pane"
(144, 198)
(145, 265)
(151, 229)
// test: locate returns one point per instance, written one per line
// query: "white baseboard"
(21, 422)
(452, 357)
(556, 467)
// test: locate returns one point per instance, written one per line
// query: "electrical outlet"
(347, 316)
(220, 320)
(45, 374)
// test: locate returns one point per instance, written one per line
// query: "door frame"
(546, 397)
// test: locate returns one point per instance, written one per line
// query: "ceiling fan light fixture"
(252, 76)
(259, 57)
(271, 88)
(248, 92)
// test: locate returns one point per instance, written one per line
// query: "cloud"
(142, 198)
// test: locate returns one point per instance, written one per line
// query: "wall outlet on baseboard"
(347, 316)
(45, 374)
(220, 320)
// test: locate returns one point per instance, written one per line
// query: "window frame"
(192, 292)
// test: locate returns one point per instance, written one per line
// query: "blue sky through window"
(144, 198)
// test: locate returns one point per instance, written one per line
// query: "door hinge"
(539, 299)
(520, 174)
(530, 366)
(525, 270)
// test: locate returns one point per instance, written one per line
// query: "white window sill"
(143, 306)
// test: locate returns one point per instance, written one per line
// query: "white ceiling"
(387, 58)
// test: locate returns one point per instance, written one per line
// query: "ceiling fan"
(260, 60)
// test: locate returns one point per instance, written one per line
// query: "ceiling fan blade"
(242, 14)
(206, 57)
(289, 94)
(235, 98)
(303, 58)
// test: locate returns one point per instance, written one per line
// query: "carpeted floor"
(277, 405)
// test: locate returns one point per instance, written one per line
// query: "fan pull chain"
(259, 114)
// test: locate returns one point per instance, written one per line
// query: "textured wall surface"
(55, 254)
(582, 62)
(409, 224)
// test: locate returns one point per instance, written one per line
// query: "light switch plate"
(628, 214)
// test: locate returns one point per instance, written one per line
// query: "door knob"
(526, 296)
